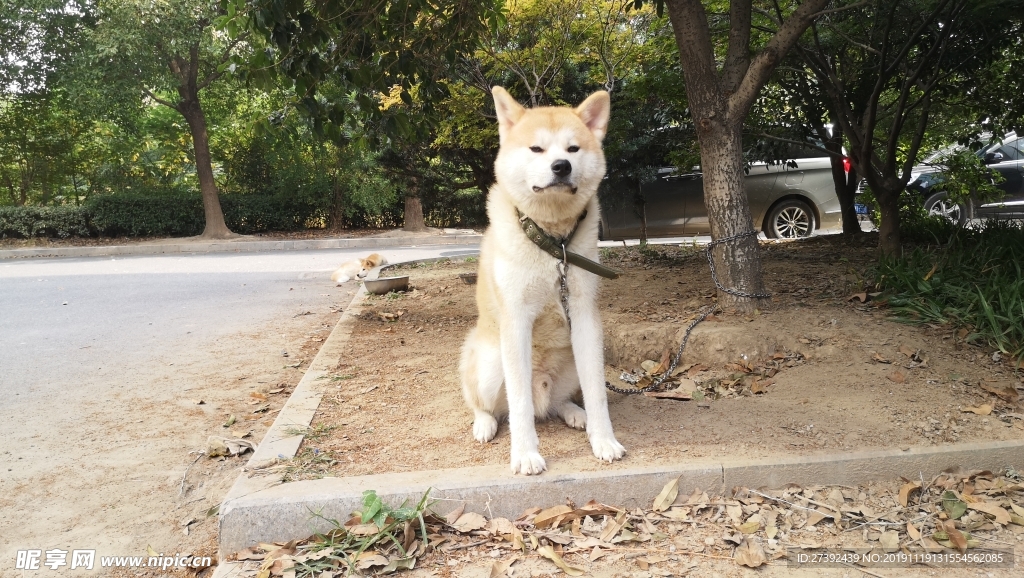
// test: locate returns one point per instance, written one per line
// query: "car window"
(1009, 150)
(1017, 147)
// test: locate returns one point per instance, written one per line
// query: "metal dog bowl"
(386, 284)
(468, 278)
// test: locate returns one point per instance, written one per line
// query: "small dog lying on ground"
(357, 268)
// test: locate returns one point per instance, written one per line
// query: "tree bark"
(845, 184)
(889, 229)
(414, 215)
(215, 227)
(738, 263)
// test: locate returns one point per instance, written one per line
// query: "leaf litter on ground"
(683, 528)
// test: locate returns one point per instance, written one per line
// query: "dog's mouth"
(572, 188)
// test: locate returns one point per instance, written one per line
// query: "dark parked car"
(787, 200)
(1007, 158)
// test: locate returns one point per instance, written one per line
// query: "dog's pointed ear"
(595, 112)
(509, 111)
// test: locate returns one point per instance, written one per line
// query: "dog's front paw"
(607, 449)
(528, 463)
(484, 427)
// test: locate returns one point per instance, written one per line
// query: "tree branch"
(737, 59)
(764, 63)
(158, 100)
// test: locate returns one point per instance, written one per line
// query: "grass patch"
(973, 282)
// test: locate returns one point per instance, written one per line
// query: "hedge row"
(181, 215)
(171, 215)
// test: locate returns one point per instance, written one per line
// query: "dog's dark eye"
(536, 149)
(573, 149)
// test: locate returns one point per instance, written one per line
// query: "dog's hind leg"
(567, 385)
(482, 378)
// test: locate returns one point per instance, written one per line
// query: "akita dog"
(524, 359)
(357, 268)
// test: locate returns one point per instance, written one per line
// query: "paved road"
(100, 359)
(65, 319)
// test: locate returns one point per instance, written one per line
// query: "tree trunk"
(738, 263)
(215, 228)
(414, 215)
(889, 229)
(846, 186)
(718, 106)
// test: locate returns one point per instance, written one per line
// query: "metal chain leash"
(714, 274)
(563, 266)
(675, 359)
(701, 317)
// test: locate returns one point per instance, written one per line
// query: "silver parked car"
(787, 200)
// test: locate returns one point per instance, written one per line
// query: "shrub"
(975, 282)
(27, 222)
(129, 215)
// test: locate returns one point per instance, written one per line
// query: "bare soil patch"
(814, 372)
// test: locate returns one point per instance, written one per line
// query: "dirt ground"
(830, 373)
(121, 474)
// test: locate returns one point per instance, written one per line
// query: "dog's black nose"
(561, 168)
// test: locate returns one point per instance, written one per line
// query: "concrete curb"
(285, 512)
(240, 246)
(285, 435)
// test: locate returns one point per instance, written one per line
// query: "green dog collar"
(556, 247)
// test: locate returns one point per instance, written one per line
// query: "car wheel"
(790, 219)
(940, 205)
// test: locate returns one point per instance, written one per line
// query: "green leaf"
(372, 505)
(953, 506)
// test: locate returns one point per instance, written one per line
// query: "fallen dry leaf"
(897, 377)
(878, 358)
(551, 517)
(678, 393)
(549, 553)
(955, 536)
(862, 296)
(258, 395)
(667, 496)
(368, 560)
(750, 554)
(983, 409)
(930, 545)
(905, 492)
(500, 526)
(1004, 391)
(454, 514)
(906, 351)
(666, 359)
(913, 532)
(760, 385)
(1001, 515)
(500, 568)
(469, 521)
